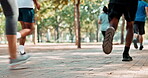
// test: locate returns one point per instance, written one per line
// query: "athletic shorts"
(139, 27)
(26, 15)
(10, 10)
(116, 10)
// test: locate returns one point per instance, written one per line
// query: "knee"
(32, 29)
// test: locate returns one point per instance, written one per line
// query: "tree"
(60, 4)
(77, 22)
(89, 18)
(68, 18)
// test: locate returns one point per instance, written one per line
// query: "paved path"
(66, 61)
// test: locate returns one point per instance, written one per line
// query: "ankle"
(12, 58)
(141, 44)
(126, 50)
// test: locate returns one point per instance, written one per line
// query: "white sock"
(21, 49)
(18, 35)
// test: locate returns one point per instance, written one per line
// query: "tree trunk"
(57, 30)
(48, 35)
(38, 32)
(77, 23)
(122, 30)
(35, 35)
(97, 31)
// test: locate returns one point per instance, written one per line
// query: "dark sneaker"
(127, 58)
(19, 60)
(107, 43)
(141, 47)
(135, 43)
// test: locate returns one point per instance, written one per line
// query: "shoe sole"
(127, 60)
(141, 48)
(107, 43)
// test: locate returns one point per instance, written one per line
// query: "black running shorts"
(139, 27)
(116, 10)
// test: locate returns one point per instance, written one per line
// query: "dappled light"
(81, 63)
(67, 43)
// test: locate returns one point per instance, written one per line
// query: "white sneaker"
(21, 50)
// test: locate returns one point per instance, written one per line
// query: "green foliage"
(89, 14)
(146, 1)
(59, 14)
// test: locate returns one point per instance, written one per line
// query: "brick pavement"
(66, 61)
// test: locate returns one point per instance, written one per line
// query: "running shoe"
(19, 60)
(135, 43)
(107, 43)
(127, 58)
(141, 47)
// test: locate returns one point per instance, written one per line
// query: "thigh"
(115, 11)
(26, 25)
(9, 7)
(130, 12)
(29, 25)
(11, 13)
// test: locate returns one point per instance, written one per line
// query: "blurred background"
(68, 21)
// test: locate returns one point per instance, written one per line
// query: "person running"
(26, 18)
(103, 20)
(139, 31)
(116, 9)
(11, 13)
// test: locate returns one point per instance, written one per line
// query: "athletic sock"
(18, 35)
(141, 44)
(126, 51)
(21, 49)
